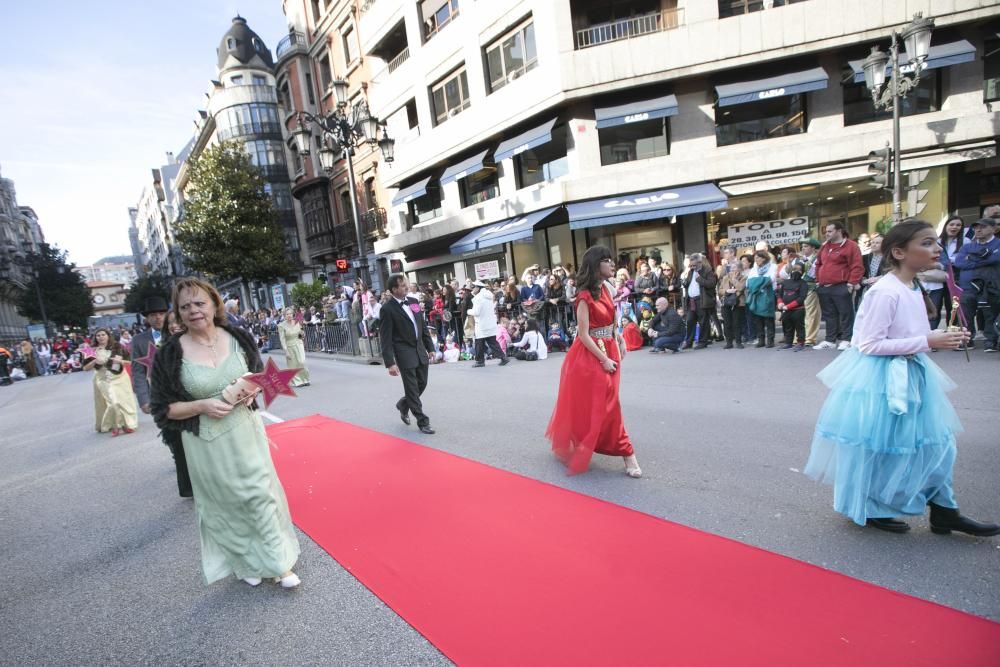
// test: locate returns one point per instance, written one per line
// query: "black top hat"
(155, 304)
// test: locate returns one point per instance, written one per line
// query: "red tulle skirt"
(588, 415)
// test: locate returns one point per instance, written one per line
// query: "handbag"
(470, 326)
(731, 300)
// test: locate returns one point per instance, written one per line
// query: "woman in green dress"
(246, 529)
(291, 335)
(115, 409)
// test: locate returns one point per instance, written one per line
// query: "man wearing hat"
(979, 262)
(155, 311)
(485, 318)
(807, 255)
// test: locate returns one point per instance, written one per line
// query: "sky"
(94, 94)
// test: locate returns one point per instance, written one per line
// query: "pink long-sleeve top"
(892, 320)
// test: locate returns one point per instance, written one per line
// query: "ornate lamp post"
(916, 37)
(343, 130)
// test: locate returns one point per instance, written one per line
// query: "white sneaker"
(291, 581)
(252, 581)
(825, 345)
(843, 345)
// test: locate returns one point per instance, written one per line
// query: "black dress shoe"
(404, 415)
(946, 519)
(701, 346)
(479, 364)
(505, 361)
(427, 429)
(889, 525)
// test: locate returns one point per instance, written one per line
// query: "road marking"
(271, 418)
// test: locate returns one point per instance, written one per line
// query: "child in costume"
(885, 437)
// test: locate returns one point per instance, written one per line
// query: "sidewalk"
(355, 359)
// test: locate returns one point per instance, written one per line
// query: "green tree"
(64, 291)
(151, 284)
(229, 229)
(306, 294)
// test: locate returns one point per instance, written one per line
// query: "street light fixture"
(341, 131)
(916, 37)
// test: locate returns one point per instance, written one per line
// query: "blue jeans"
(668, 342)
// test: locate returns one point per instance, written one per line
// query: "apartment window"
(347, 38)
(309, 88)
(450, 96)
(264, 152)
(297, 164)
(427, 207)
(480, 186)
(345, 206)
(766, 119)
(991, 70)
(729, 8)
(317, 10)
(230, 43)
(370, 194)
(325, 73)
(285, 96)
(543, 163)
(281, 195)
(635, 141)
(314, 212)
(511, 56)
(291, 239)
(237, 80)
(437, 14)
(250, 119)
(259, 80)
(858, 107)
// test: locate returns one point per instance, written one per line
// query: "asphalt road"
(102, 558)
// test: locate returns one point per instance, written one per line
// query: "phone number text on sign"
(775, 232)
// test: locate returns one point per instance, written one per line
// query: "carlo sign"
(775, 232)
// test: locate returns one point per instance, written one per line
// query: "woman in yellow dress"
(114, 403)
(291, 335)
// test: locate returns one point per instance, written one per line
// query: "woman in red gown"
(588, 416)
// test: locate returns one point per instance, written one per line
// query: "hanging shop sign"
(487, 270)
(775, 232)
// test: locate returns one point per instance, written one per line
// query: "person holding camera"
(700, 282)
(979, 278)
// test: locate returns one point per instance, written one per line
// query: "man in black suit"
(405, 342)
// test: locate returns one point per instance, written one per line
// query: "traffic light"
(880, 168)
(321, 278)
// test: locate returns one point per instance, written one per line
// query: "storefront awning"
(775, 86)
(661, 107)
(505, 231)
(646, 206)
(534, 137)
(409, 193)
(942, 55)
(464, 168)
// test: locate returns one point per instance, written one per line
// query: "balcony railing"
(279, 171)
(261, 130)
(636, 26)
(366, 5)
(373, 222)
(401, 58)
(290, 41)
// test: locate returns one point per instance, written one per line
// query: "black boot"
(760, 342)
(945, 519)
(889, 525)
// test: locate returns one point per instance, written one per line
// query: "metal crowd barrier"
(330, 337)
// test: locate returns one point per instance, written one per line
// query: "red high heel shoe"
(128, 430)
(114, 432)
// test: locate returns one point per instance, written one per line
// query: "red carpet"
(498, 569)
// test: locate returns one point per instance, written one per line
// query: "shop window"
(480, 186)
(729, 8)
(511, 55)
(547, 162)
(635, 141)
(991, 70)
(437, 14)
(858, 107)
(427, 207)
(765, 119)
(450, 96)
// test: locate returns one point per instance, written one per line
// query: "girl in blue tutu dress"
(885, 437)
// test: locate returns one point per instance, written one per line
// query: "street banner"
(775, 232)
(487, 270)
(278, 297)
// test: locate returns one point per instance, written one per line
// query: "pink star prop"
(955, 292)
(147, 361)
(274, 381)
(88, 352)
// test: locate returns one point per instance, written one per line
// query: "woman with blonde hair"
(291, 335)
(246, 529)
(114, 403)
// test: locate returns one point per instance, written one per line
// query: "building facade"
(323, 45)
(242, 106)
(20, 234)
(528, 131)
(108, 297)
(154, 237)
(110, 270)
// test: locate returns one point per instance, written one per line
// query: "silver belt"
(602, 332)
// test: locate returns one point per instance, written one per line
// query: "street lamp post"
(916, 37)
(342, 130)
